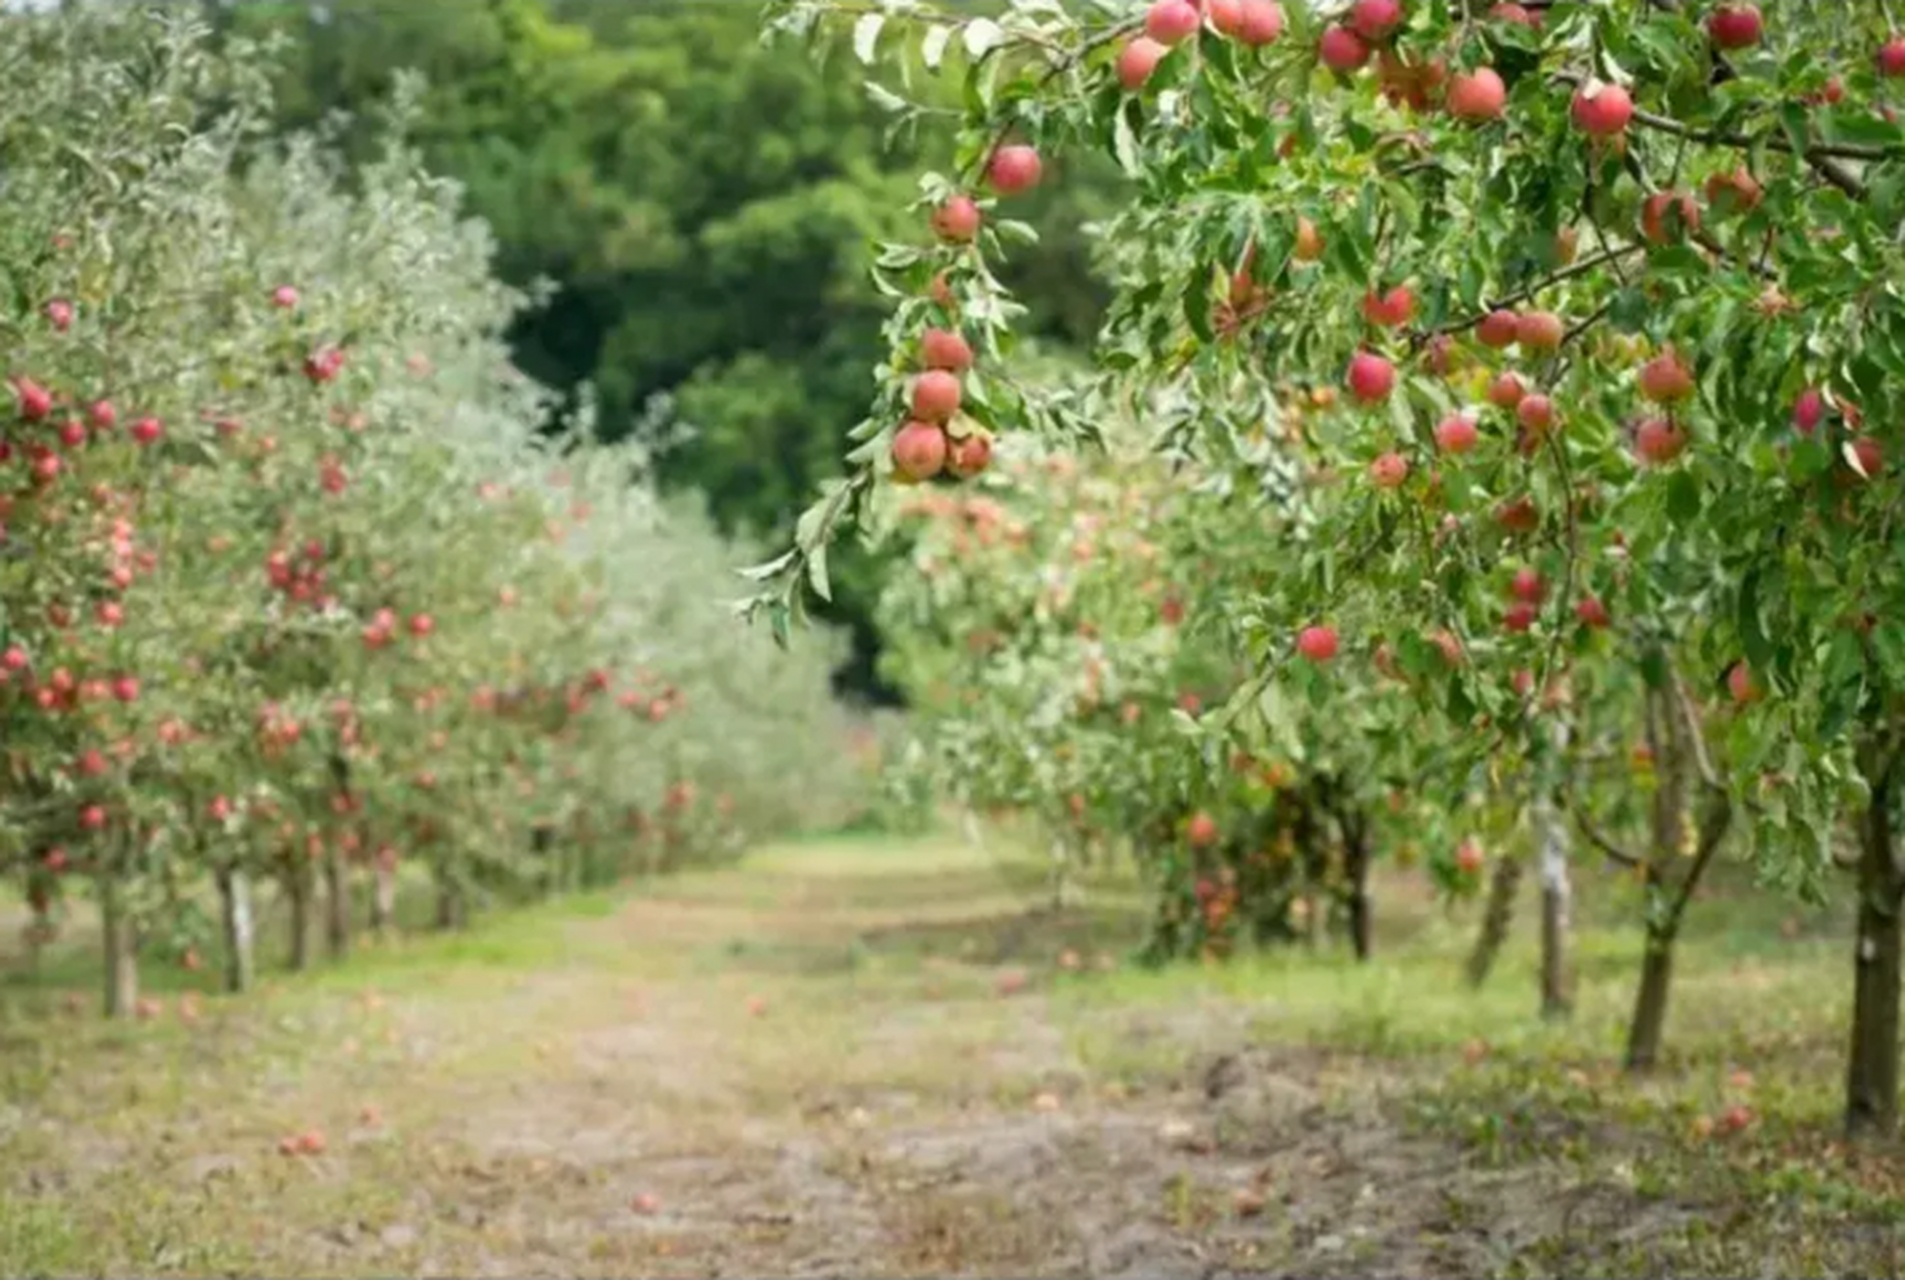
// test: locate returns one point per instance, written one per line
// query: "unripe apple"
(1309, 244)
(1371, 378)
(919, 451)
(1566, 242)
(1137, 60)
(945, 349)
(1342, 50)
(1506, 391)
(1591, 612)
(1389, 470)
(1539, 330)
(1535, 412)
(1658, 442)
(1479, 95)
(1373, 20)
(935, 396)
(1169, 21)
(1668, 216)
(1665, 379)
(1497, 329)
(1389, 310)
(970, 454)
(1891, 59)
(1455, 434)
(1317, 643)
(1734, 26)
(957, 220)
(1601, 110)
(1261, 22)
(1014, 168)
(1201, 830)
(1809, 410)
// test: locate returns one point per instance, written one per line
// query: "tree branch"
(1772, 141)
(1594, 834)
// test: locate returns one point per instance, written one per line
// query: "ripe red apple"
(1592, 612)
(970, 454)
(1735, 192)
(147, 431)
(1665, 379)
(1519, 616)
(1226, 16)
(1455, 434)
(72, 433)
(1539, 330)
(1479, 95)
(284, 296)
(1469, 857)
(1309, 243)
(92, 818)
(1506, 391)
(102, 415)
(945, 349)
(1658, 442)
(1510, 12)
(1734, 26)
(1169, 21)
(957, 220)
(935, 396)
(59, 314)
(35, 401)
(1342, 50)
(919, 451)
(1519, 515)
(1809, 410)
(1535, 412)
(1601, 110)
(1137, 60)
(1260, 24)
(421, 625)
(1740, 683)
(1389, 470)
(1871, 459)
(1891, 59)
(1317, 643)
(1371, 378)
(1497, 329)
(1373, 20)
(1014, 168)
(1201, 830)
(1389, 310)
(1668, 216)
(126, 688)
(1527, 585)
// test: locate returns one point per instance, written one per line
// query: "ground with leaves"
(824, 1062)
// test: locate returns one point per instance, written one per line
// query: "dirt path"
(821, 1064)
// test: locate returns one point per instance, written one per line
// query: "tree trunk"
(337, 905)
(234, 901)
(1871, 1091)
(1361, 915)
(383, 899)
(1503, 883)
(120, 945)
(1556, 899)
(449, 907)
(1650, 1004)
(297, 887)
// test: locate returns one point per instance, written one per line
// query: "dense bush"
(292, 588)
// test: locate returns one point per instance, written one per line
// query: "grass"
(807, 1062)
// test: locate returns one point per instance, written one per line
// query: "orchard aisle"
(862, 1057)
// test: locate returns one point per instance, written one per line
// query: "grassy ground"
(871, 1056)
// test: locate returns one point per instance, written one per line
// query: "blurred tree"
(703, 202)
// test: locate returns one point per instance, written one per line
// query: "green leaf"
(932, 49)
(981, 36)
(1124, 141)
(817, 572)
(866, 35)
(884, 98)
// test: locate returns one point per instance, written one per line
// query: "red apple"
(1317, 643)
(1527, 585)
(970, 454)
(945, 349)
(1668, 216)
(1371, 378)
(1734, 26)
(1506, 391)
(1740, 683)
(957, 220)
(35, 401)
(1137, 60)
(935, 396)
(1389, 471)
(1261, 22)
(1201, 830)
(1226, 16)
(1389, 310)
(1479, 95)
(147, 430)
(1469, 858)
(1374, 20)
(1535, 412)
(1014, 168)
(1343, 50)
(1871, 459)
(1539, 330)
(1497, 329)
(1519, 616)
(1455, 434)
(59, 314)
(1169, 21)
(1591, 612)
(1735, 192)
(1665, 379)
(1809, 410)
(919, 451)
(1891, 59)
(1601, 110)
(1658, 441)
(284, 296)
(1510, 12)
